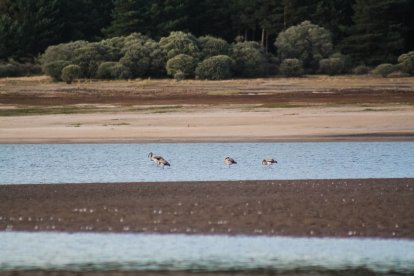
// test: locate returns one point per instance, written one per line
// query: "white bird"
(229, 161)
(268, 162)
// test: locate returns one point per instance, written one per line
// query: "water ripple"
(81, 163)
(80, 252)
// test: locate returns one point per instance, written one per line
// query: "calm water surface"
(80, 163)
(89, 251)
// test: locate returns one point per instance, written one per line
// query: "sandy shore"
(312, 108)
(215, 124)
(337, 208)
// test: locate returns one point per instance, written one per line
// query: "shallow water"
(91, 251)
(80, 163)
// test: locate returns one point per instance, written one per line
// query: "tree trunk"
(267, 42)
(285, 3)
(263, 37)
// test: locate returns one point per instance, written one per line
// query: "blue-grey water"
(92, 251)
(80, 163)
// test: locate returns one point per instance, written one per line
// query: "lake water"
(80, 163)
(88, 251)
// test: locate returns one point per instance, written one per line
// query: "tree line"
(370, 32)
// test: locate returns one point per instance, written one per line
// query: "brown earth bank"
(381, 208)
(270, 92)
(312, 108)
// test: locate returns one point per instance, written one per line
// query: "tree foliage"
(212, 46)
(370, 32)
(384, 69)
(250, 59)
(406, 63)
(181, 64)
(331, 66)
(215, 68)
(143, 57)
(90, 56)
(70, 73)
(291, 67)
(306, 42)
(179, 43)
(377, 34)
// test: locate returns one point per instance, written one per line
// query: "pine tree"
(269, 15)
(169, 15)
(211, 17)
(297, 11)
(85, 19)
(243, 18)
(29, 27)
(376, 36)
(334, 15)
(129, 16)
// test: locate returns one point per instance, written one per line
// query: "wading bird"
(158, 160)
(229, 161)
(268, 162)
(162, 162)
(154, 158)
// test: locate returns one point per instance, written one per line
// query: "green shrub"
(121, 72)
(54, 69)
(70, 73)
(307, 42)
(250, 59)
(212, 46)
(181, 63)
(144, 58)
(16, 69)
(179, 43)
(8, 70)
(179, 75)
(406, 63)
(115, 46)
(64, 51)
(90, 56)
(291, 67)
(113, 70)
(361, 70)
(215, 68)
(331, 66)
(346, 60)
(105, 70)
(384, 69)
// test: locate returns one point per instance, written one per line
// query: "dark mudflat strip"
(335, 208)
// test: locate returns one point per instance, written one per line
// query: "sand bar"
(334, 208)
(286, 124)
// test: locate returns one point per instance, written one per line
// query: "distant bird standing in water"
(229, 161)
(158, 160)
(162, 162)
(154, 158)
(268, 162)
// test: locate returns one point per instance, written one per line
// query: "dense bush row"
(180, 55)
(15, 69)
(305, 48)
(405, 66)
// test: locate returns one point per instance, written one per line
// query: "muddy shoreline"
(380, 208)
